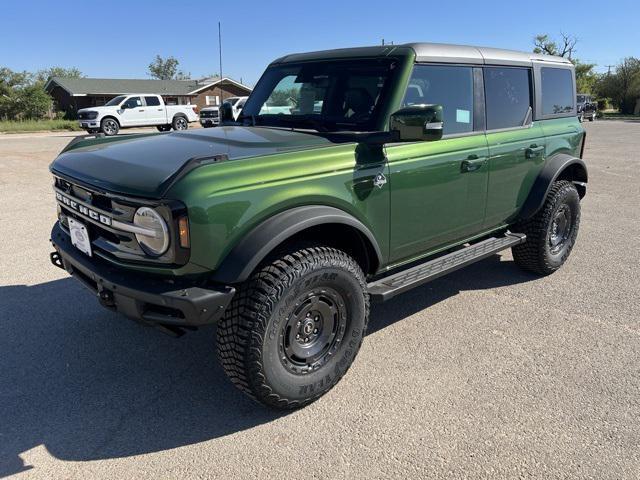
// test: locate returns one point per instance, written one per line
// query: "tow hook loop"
(56, 259)
(106, 298)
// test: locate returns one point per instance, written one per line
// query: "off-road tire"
(538, 254)
(251, 338)
(180, 123)
(109, 126)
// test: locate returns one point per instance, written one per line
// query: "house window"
(212, 99)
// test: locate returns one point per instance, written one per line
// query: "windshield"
(115, 101)
(333, 95)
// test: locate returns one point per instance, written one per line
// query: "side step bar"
(389, 287)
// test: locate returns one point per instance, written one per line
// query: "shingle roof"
(117, 86)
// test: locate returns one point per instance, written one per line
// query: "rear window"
(508, 96)
(557, 91)
(152, 101)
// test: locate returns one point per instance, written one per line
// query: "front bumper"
(209, 121)
(151, 299)
(88, 124)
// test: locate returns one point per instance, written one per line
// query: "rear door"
(154, 110)
(516, 143)
(438, 189)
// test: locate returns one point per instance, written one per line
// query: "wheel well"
(111, 117)
(179, 115)
(575, 173)
(343, 237)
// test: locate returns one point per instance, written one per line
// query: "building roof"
(117, 86)
(432, 52)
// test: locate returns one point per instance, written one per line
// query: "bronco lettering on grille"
(83, 210)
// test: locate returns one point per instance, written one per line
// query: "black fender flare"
(254, 247)
(560, 166)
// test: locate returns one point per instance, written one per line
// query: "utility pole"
(220, 52)
(609, 69)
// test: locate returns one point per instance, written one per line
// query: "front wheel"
(109, 127)
(163, 128)
(294, 328)
(180, 123)
(551, 233)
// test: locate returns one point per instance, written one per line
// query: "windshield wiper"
(312, 122)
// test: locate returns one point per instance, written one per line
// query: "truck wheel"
(592, 117)
(581, 117)
(163, 128)
(294, 328)
(551, 233)
(109, 127)
(180, 123)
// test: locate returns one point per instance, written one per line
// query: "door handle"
(141, 110)
(472, 163)
(159, 109)
(533, 151)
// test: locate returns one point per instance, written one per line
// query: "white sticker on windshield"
(463, 116)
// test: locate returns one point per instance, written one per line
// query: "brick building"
(72, 94)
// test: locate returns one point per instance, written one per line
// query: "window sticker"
(463, 116)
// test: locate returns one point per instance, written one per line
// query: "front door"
(134, 113)
(438, 189)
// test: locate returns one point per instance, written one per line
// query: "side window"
(133, 102)
(507, 96)
(451, 87)
(152, 101)
(557, 91)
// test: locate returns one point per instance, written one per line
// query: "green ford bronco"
(350, 176)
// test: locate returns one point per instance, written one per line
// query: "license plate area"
(79, 236)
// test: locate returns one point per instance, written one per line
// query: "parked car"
(137, 110)
(210, 116)
(236, 103)
(587, 107)
(283, 227)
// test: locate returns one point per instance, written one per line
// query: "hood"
(143, 165)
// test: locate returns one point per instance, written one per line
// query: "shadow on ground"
(88, 384)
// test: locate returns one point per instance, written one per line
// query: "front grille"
(209, 114)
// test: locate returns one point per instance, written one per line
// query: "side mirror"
(226, 112)
(124, 106)
(417, 123)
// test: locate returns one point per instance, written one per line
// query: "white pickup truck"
(137, 110)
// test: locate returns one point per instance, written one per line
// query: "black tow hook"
(106, 298)
(56, 259)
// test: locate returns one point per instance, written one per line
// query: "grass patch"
(11, 126)
(618, 116)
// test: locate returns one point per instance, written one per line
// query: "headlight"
(92, 115)
(155, 240)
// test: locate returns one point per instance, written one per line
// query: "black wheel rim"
(560, 229)
(313, 331)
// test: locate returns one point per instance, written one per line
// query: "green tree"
(565, 47)
(44, 75)
(622, 86)
(167, 69)
(22, 96)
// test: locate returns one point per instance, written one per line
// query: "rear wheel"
(109, 126)
(294, 328)
(551, 233)
(180, 123)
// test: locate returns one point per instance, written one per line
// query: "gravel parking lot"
(489, 372)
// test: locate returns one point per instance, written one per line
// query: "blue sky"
(119, 38)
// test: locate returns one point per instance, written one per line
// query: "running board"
(400, 282)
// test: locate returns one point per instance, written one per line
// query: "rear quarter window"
(557, 91)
